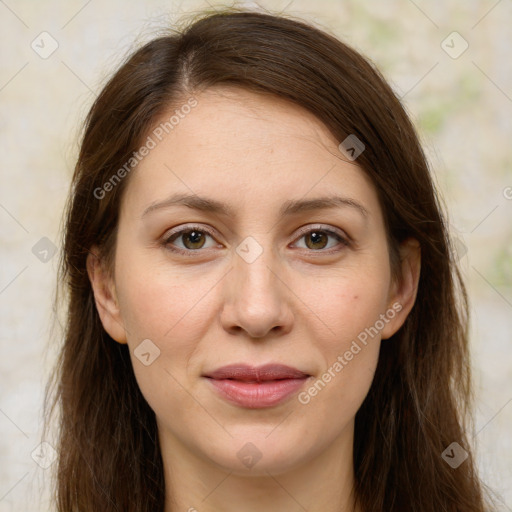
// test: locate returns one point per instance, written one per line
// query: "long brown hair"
(420, 399)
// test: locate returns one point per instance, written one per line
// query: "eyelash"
(344, 242)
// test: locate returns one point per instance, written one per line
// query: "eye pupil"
(193, 236)
(316, 237)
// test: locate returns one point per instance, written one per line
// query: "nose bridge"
(256, 300)
(253, 266)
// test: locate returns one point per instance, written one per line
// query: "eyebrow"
(290, 207)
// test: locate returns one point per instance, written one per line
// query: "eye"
(192, 238)
(317, 238)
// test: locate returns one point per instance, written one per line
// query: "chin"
(256, 453)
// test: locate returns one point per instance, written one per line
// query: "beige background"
(462, 107)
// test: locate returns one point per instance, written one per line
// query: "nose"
(257, 300)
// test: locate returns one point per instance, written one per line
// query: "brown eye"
(193, 239)
(188, 240)
(318, 240)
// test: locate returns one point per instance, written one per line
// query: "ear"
(105, 297)
(402, 294)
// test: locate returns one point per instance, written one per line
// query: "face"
(272, 277)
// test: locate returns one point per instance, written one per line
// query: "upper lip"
(245, 372)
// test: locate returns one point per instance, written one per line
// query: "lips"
(246, 373)
(256, 387)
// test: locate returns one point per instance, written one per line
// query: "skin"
(302, 302)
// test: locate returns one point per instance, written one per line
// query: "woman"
(264, 311)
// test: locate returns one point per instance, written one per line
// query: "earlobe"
(403, 292)
(105, 297)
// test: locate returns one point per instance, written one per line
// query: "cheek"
(351, 308)
(157, 302)
(347, 304)
(167, 308)
(350, 356)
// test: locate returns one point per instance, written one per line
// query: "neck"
(322, 483)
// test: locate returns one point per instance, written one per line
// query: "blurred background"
(449, 62)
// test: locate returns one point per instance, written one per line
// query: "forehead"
(230, 120)
(241, 147)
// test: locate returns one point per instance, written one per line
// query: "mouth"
(256, 387)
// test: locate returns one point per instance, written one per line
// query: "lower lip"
(257, 395)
